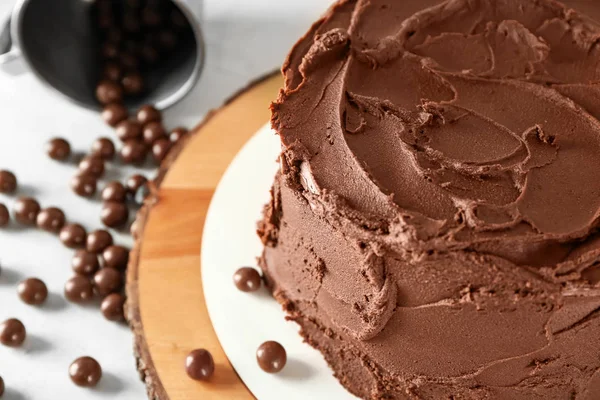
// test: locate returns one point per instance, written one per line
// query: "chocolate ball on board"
(4, 216)
(114, 214)
(177, 134)
(103, 148)
(58, 149)
(8, 182)
(98, 241)
(51, 219)
(32, 291)
(114, 191)
(79, 289)
(73, 236)
(92, 165)
(112, 307)
(129, 130)
(114, 113)
(85, 372)
(115, 257)
(148, 113)
(84, 185)
(26, 210)
(107, 281)
(247, 279)
(85, 263)
(134, 152)
(199, 365)
(160, 149)
(153, 131)
(133, 83)
(12, 333)
(271, 357)
(108, 92)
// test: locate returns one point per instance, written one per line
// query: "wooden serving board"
(166, 308)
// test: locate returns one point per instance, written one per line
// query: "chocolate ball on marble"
(8, 182)
(79, 289)
(85, 372)
(85, 263)
(103, 148)
(160, 149)
(108, 92)
(114, 214)
(114, 113)
(4, 216)
(12, 333)
(116, 257)
(73, 236)
(129, 130)
(26, 210)
(114, 191)
(152, 132)
(107, 281)
(51, 219)
(112, 307)
(92, 165)
(98, 241)
(2, 387)
(134, 152)
(84, 185)
(33, 291)
(134, 183)
(147, 114)
(58, 149)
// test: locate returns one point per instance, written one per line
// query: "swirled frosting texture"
(439, 199)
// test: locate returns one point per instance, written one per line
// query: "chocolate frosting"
(439, 197)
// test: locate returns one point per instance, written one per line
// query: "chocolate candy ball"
(4, 216)
(12, 333)
(114, 214)
(85, 372)
(247, 279)
(73, 236)
(108, 92)
(129, 130)
(107, 281)
(8, 182)
(92, 165)
(26, 210)
(85, 263)
(116, 257)
(114, 113)
(134, 152)
(103, 148)
(271, 357)
(32, 291)
(84, 185)
(79, 289)
(51, 219)
(112, 307)
(147, 114)
(98, 241)
(199, 365)
(58, 149)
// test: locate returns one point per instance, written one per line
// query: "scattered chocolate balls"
(147, 114)
(32, 291)
(107, 281)
(114, 214)
(134, 152)
(84, 185)
(109, 92)
(129, 129)
(58, 149)
(247, 279)
(85, 263)
(51, 219)
(271, 357)
(79, 289)
(26, 210)
(8, 182)
(114, 191)
(85, 372)
(116, 257)
(134, 183)
(152, 132)
(114, 113)
(104, 148)
(177, 134)
(98, 241)
(91, 165)
(12, 333)
(160, 149)
(4, 216)
(112, 307)
(73, 236)
(199, 365)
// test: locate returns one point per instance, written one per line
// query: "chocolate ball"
(139, 198)
(134, 152)
(109, 92)
(114, 214)
(147, 114)
(133, 83)
(134, 183)
(152, 132)
(112, 307)
(32, 291)
(112, 72)
(109, 51)
(107, 281)
(199, 365)
(167, 39)
(129, 61)
(79, 289)
(73, 236)
(85, 372)
(115, 257)
(129, 130)
(2, 388)
(114, 191)
(84, 185)
(178, 20)
(51, 219)
(114, 113)
(247, 279)
(8, 182)
(103, 148)
(26, 210)
(149, 54)
(12, 333)
(151, 17)
(85, 263)
(271, 357)
(114, 35)
(98, 241)
(92, 165)
(160, 149)
(131, 23)
(58, 149)
(177, 133)
(4, 215)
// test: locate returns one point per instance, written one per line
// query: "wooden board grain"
(166, 308)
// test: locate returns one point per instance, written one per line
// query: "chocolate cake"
(433, 228)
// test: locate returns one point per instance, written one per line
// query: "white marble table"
(245, 39)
